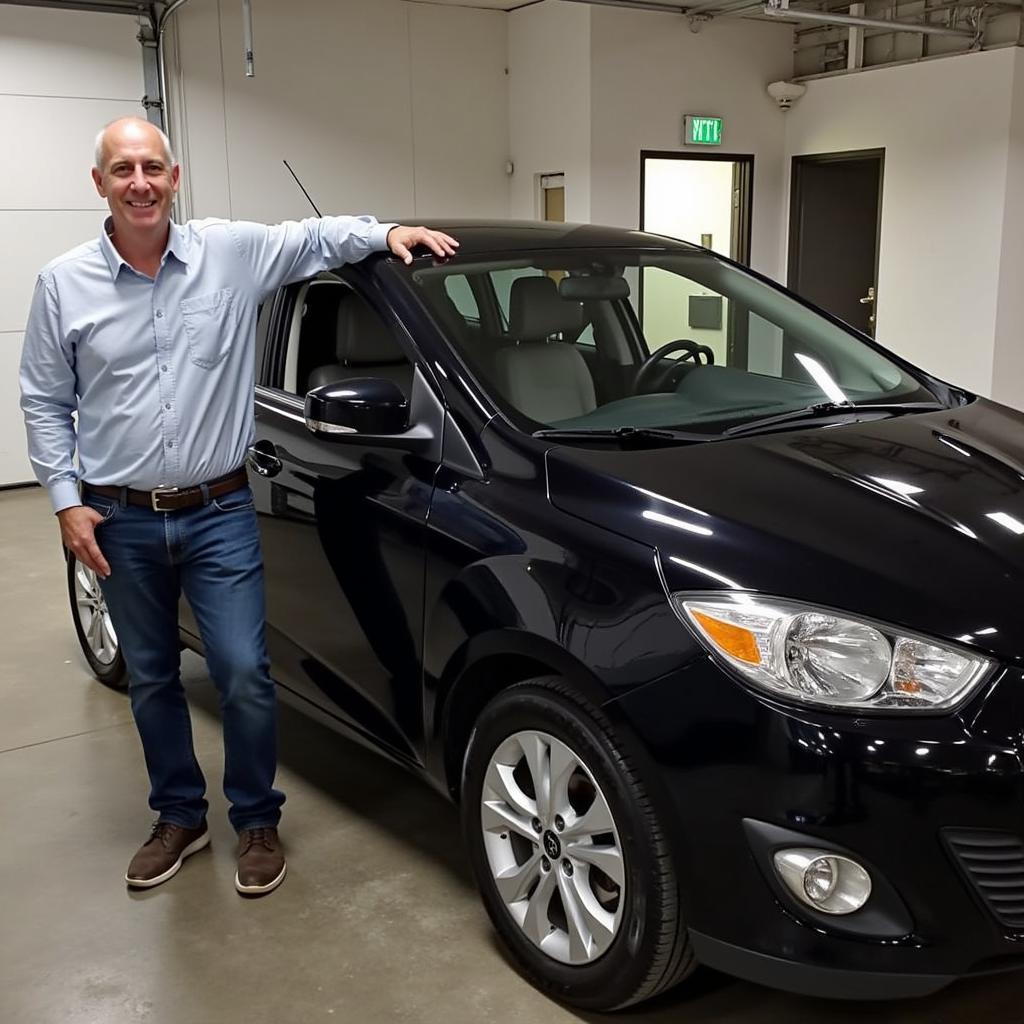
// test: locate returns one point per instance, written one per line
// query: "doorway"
(552, 197)
(703, 198)
(834, 227)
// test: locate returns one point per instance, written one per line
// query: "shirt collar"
(177, 246)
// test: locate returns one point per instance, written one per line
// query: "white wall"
(648, 69)
(392, 108)
(549, 105)
(63, 75)
(1008, 367)
(944, 126)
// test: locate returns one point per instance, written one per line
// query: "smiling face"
(137, 180)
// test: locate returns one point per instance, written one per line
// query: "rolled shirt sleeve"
(48, 399)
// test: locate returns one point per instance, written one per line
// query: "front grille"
(994, 865)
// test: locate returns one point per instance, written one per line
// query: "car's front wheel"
(574, 868)
(93, 626)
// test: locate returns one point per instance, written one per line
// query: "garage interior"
(414, 111)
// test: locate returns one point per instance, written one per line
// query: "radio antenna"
(299, 183)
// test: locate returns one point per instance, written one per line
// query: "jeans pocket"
(107, 507)
(209, 326)
(234, 501)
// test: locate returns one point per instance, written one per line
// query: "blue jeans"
(211, 553)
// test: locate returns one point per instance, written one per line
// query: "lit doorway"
(703, 198)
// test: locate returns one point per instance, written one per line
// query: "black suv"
(703, 606)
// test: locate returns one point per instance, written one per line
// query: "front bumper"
(932, 806)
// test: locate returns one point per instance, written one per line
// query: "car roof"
(476, 237)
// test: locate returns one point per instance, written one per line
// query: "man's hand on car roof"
(402, 239)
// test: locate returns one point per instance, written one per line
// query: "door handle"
(263, 462)
(869, 298)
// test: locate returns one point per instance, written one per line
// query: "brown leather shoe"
(162, 853)
(261, 864)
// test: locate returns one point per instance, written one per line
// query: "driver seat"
(545, 380)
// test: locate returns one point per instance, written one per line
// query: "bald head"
(135, 172)
(133, 129)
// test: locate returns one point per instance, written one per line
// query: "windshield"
(603, 339)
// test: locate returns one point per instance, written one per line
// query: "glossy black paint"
(366, 405)
(411, 577)
(881, 788)
(819, 512)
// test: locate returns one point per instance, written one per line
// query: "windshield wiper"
(621, 434)
(812, 412)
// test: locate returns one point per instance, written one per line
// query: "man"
(147, 334)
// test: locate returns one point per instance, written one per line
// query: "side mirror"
(361, 405)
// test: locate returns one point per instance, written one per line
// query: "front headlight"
(820, 657)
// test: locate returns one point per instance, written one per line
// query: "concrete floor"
(378, 919)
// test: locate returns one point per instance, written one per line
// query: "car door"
(342, 521)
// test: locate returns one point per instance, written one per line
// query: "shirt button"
(163, 369)
(159, 313)
(167, 405)
(170, 444)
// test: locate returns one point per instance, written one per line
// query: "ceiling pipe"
(936, 8)
(790, 13)
(717, 8)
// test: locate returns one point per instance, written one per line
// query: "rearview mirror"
(593, 286)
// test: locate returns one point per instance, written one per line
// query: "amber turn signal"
(732, 640)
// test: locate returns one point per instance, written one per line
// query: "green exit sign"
(702, 131)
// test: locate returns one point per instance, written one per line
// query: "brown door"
(835, 213)
(554, 204)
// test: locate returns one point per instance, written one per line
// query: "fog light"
(823, 880)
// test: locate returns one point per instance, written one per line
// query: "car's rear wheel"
(94, 628)
(574, 868)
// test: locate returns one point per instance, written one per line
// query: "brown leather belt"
(171, 499)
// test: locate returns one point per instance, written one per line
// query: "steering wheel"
(652, 372)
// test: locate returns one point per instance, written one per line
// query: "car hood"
(917, 521)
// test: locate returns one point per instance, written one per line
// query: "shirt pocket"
(209, 326)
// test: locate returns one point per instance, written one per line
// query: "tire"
(598, 843)
(93, 627)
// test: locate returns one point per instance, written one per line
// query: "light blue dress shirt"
(161, 371)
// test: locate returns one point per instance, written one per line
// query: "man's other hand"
(401, 240)
(78, 531)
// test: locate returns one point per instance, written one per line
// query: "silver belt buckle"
(157, 493)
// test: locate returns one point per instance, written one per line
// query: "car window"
(502, 281)
(680, 338)
(459, 291)
(335, 334)
(676, 306)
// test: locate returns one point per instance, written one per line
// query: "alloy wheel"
(94, 616)
(553, 847)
